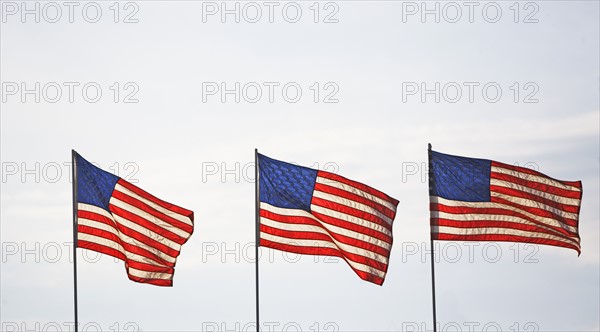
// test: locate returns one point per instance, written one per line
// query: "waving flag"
(313, 212)
(119, 219)
(483, 200)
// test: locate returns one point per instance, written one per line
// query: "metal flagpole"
(431, 241)
(74, 184)
(257, 230)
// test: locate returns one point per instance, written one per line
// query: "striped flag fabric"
(484, 200)
(116, 218)
(313, 212)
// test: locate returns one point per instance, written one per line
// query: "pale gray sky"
(192, 145)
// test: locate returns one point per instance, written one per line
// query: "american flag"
(483, 200)
(116, 218)
(307, 211)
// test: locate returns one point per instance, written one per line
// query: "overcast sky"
(147, 90)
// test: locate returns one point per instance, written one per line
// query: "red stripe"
(534, 198)
(307, 250)
(150, 268)
(343, 209)
(502, 238)
(537, 186)
(357, 185)
(356, 198)
(157, 282)
(96, 217)
(481, 224)
(319, 236)
(322, 252)
(150, 210)
(498, 211)
(130, 216)
(98, 232)
(101, 249)
(313, 236)
(533, 172)
(166, 205)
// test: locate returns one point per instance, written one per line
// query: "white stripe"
(150, 218)
(533, 178)
(149, 275)
(324, 244)
(345, 187)
(112, 244)
(101, 241)
(352, 204)
(495, 217)
(94, 209)
(340, 246)
(535, 204)
(128, 239)
(331, 228)
(155, 206)
(541, 194)
(98, 225)
(498, 231)
(351, 219)
(481, 205)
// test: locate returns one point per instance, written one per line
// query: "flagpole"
(257, 230)
(431, 242)
(74, 185)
